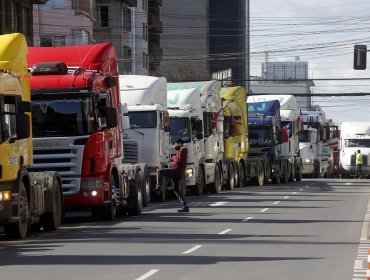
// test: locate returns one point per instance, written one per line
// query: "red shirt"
(179, 161)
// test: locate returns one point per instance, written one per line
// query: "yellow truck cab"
(26, 198)
(237, 167)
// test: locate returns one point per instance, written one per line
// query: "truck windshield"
(180, 128)
(357, 143)
(304, 136)
(260, 137)
(147, 119)
(62, 117)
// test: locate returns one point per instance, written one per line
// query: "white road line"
(294, 193)
(148, 274)
(247, 219)
(196, 247)
(276, 202)
(225, 231)
(219, 203)
(358, 264)
(301, 189)
(264, 210)
(286, 197)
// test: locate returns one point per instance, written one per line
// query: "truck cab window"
(207, 118)
(102, 102)
(8, 117)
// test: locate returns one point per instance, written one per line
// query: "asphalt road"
(303, 230)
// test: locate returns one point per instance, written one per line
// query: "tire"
(298, 174)
(230, 176)
(292, 172)
(260, 174)
(242, 175)
(19, 229)
(236, 174)
(135, 203)
(198, 189)
(267, 171)
(51, 221)
(162, 193)
(285, 175)
(216, 186)
(109, 212)
(277, 178)
(145, 184)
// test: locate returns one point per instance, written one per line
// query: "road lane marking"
(276, 202)
(286, 197)
(248, 219)
(301, 189)
(358, 264)
(196, 247)
(264, 210)
(307, 187)
(294, 193)
(219, 203)
(225, 231)
(148, 274)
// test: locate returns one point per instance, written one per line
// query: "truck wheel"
(109, 212)
(198, 189)
(145, 184)
(285, 175)
(135, 201)
(51, 221)
(292, 172)
(242, 175)
(298, 174)
(217, 185)
(267, 171)
(260, 174)
(19, 229)
(230, 176)
(276, 179)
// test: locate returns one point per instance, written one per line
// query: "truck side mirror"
(110, 81)
(23, 126)
(359, 57)
(199, 135)
(279, 137)
(125, 122)
(111, 117)
(199, 126)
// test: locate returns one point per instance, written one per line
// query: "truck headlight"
(188, 173)
(92, 184)
(309, 160)
(5, 196)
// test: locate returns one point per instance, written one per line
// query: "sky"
(323, 33)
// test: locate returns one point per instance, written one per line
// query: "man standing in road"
(359, 162)
(177, 172)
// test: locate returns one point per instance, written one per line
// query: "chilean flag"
(285, 131)
(214, 118)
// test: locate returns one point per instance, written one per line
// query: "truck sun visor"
(49, 68)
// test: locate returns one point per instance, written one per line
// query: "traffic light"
(359, 58)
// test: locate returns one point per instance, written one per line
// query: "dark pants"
(167, 172)
(358, 170)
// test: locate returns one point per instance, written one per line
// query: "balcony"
(39, 1)
(155, 24)
(130, 3)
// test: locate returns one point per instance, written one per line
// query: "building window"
(126, 14)
(127, 59)
(26, 22)
(53, 41)
(54, 4)
(145, 6)
(80, 37)
(102, 16)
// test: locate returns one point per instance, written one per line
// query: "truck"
(238, 166)
(186, 122)
(77, 131)
(326, 141)
(27, 199)
(265, 136)
(147, 141)
(307, 149)
(354, 136)
(292, 124)
(211, 104)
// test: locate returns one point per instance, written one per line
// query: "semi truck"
(326, 142)
(265, 136)
(308, 150)
(77, 131)
(238, 166)
(211, 104)
(291, 121)
(27, 199)
(354, 136)
(186, 122)
(147, 141)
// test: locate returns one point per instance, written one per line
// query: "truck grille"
(67, 161)
(130, 152)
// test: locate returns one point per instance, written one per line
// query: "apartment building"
(16, 16)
